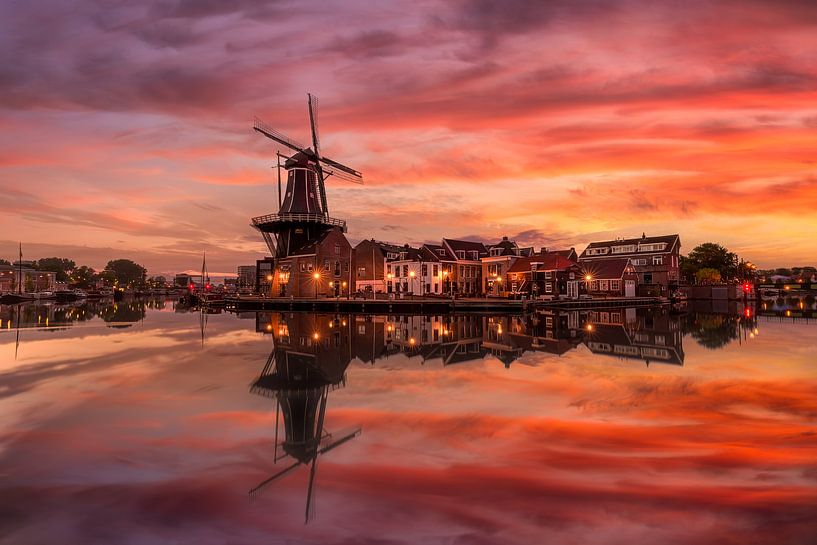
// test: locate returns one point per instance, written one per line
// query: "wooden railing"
(311, 218)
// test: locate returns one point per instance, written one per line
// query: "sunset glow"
(126, 129)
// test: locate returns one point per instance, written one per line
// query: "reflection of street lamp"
(316, 276)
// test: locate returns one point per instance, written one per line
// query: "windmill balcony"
(305, 218)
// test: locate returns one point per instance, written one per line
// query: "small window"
(337, 249)
(657, 260)
(326, 264)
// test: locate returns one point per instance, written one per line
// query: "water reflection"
(309, 359)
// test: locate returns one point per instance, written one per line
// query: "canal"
(148, 422)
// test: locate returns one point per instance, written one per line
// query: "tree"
(5, 262)
(712, 256)
(58, 265)
(707, 276)
(127, 273)
(83, 276)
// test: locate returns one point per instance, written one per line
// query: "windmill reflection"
(308, 361)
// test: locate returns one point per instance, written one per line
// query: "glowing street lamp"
(316, 277)
(412, 274)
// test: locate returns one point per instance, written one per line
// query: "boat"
(20, 296)
(65, 296)
(45, 295)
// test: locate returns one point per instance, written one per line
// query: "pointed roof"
(606, 269)
(467, 246)
(446, 254)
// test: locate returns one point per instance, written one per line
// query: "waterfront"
(136, 423)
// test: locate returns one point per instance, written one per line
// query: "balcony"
(298, 218)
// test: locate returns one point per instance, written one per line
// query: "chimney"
(643, 235)
(504, 238)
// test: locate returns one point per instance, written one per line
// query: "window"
(548, 287)
(425, 269)
(496, 252)
(605, 285)
(388, 269)
(657, 260)
(441, 252)
(436, 288)
(435, 270)
(405, 270)
(639, 262)
(548, 274)
(474, 254)
(596, 251)
(337, 249)
(625, 249)
(655, 247)
(303, 266)
(326, 264)
(615, 285)
(428, 288)
(648, 278)
(460, 254)
(361, 272)
(594, 285)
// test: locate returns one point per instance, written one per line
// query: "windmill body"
(302, 223)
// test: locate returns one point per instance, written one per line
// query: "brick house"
(329, 257)
(501, 256)
(369, 260)
(468, 270)
(548, 275)
(656, 260)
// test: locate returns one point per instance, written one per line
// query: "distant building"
(246, 277)
(656, 260)
(21, 275)
(501, 256)
(468, 271)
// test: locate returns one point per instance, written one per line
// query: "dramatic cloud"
(568, 119)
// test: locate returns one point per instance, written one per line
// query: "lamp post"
(412, 274)
(343, 288)
(316, 277)
(445, 277)
(389, 287)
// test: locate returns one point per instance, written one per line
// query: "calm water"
(151, 424)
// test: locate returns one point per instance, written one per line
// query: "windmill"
(303, 214)
(300, 379)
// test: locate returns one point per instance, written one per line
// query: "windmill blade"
(339, 166)
(339, 441)
(263, 484)
(313, 122)
(279, 137)
(340, 175)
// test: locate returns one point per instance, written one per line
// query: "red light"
(207, 287)
(191, 286)
(747, 287)
(748, 313)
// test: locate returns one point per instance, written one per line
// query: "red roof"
(606, 269)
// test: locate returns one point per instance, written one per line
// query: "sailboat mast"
(20, 270)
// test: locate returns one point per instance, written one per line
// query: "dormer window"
(474, 254)
(460, 254)
(496, 252)
(441, 251)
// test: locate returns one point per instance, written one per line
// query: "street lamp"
(317, 277)
(343, 288)
(412, 274)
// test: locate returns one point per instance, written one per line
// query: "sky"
(126, 128)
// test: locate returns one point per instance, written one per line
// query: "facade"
(246, 277)
(611, 277)
(444, 276)
(320, 269)
(468, 270)
(369, 265)
(656, 260)
(501, 256)
(545, 275)
(15, 277)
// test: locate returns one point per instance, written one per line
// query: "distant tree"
(782, 272)
(157, 282)
(83, 276)
(5, 262)
(59, 265)
(708, 276)
(713, 256)
(107, 277)
(127, 273)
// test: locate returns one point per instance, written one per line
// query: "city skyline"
(128, 130)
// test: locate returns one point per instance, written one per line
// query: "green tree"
(59, 265)
(713, 256)
(708, 276)
(127, 273)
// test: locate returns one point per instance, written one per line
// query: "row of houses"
(22, 276)
(463, 268)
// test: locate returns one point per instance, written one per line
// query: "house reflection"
(308, 360)
(652, 335)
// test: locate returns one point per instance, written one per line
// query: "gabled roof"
(507, 246)
(671, 241)
(412, 254)
(426, 254)
(556, 262)
(384, 246)
(611, 268)
(569, 254)
(435, 248)
(466, 245)
(520, 265)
